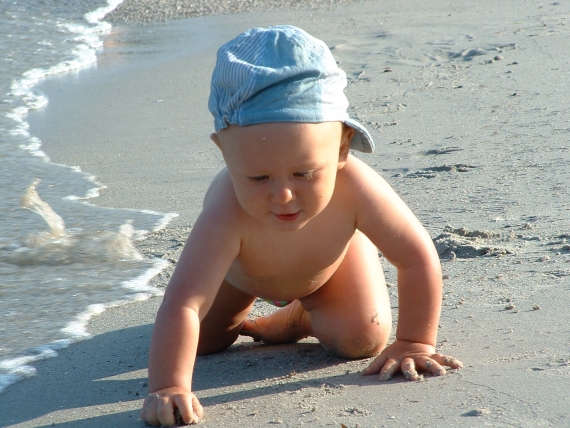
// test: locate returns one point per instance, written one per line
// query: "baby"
(295, 219)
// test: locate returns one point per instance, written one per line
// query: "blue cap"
(280, 74)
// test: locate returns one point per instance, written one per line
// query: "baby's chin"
(288, 226)
(287, 223)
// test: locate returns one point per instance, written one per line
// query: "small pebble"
(509, 307)
(478, 412)
(498, 58)
(536, 308)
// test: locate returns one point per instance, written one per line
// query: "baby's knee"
(206, 347)
(211, 344)
(214, 340)
(362, 344)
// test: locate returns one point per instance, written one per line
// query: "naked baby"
(293, 218)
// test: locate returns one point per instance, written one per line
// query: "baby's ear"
(346, 138)
(216, 139)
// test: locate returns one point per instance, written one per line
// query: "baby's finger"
(183, 413)
(431, 366)
(165, 412)
(188, 411)
(148, 411)
(446, 360)
(388, 370)
(409, 369)
(376, 365)
(198, 410)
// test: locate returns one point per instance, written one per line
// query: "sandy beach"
(469, 107)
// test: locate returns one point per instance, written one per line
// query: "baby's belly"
(284, 286)
(288, 270)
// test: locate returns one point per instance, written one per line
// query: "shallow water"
(62, 259)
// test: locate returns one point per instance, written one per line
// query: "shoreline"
(131, 12)
(438, 118)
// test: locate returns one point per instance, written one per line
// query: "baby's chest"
(288, 257)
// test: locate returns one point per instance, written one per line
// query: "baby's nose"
(282, 194)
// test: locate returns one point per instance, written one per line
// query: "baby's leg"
(350, 314)
(223, 322)
(288, 324)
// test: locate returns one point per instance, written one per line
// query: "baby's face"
(284, 173)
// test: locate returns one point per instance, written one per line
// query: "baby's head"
(280, 74)
(281, 121)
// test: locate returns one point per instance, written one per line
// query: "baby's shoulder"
(363, 188)
(357, 177)
(220, 197)
(220, 189)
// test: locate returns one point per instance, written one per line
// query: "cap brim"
(362, 140)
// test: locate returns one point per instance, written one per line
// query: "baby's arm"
(398, 234)
(204, 262)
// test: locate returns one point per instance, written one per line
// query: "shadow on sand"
(102, 381)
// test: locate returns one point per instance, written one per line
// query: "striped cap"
(280, 74)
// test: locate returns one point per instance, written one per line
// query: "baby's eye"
(306, 175)
(259, 178)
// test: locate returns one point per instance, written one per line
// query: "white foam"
(140, 283)
(77, 328)
(19, 368)
(33, 146)
(32, 201)
(162, 223)
(87, 42)
(97, 15)
(18, 114)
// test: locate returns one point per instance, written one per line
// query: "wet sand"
(468, 104)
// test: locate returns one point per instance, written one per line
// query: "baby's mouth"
(288, 217)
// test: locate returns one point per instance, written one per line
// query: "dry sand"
(469, 106)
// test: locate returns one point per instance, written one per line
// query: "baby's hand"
(409, 357)
(171, 406)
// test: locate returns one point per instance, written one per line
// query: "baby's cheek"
(322, 200)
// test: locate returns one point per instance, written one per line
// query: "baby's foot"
(288, 324)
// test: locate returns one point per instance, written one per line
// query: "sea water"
(62, 259)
